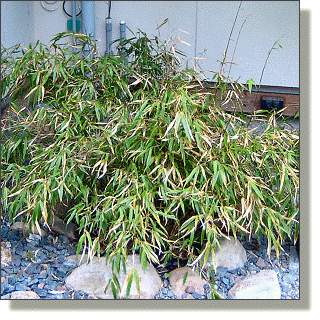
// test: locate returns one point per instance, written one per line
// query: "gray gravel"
(39, 265)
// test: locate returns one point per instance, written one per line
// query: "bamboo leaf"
(137, 280)
(192, 173)
(256, 190)
(282, 177)
(185, 278)
(129, 279)
(169, 127)
(187, 128)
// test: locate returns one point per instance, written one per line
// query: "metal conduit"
(88, 15)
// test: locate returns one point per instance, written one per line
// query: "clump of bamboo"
(148, 164)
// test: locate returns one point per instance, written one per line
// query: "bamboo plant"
(149, 165)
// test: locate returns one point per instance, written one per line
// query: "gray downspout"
(122, 35)
(122, 30)
(74, 23)
(108, 32)
(88, 16)
(108, 36)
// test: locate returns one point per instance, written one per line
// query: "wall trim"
(251, 102)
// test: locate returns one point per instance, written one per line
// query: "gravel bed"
(39, 264)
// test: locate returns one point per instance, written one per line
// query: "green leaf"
(137, 280)
(192, 173)
(114, 290)
(81, 240)
(250, 82)
(256, 190)
(185, 278)
(129, 283)
(82, 67)
(187, 128)
(64, 74)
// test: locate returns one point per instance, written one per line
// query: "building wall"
(267, 21)
(16, 23)
(204, 25)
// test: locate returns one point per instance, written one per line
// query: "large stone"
(232, 255)
(192, 280)
(6, 255)
(24, 228)
(262, 264)
(263, 285)
(76, 260)
(23, 295)
(59, 213)
(61, 208)
(88, 277)
(56, 225)
(93, 278)
(59, 226)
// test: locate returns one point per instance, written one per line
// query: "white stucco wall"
(16, 23)
(208, 24)
(267, 22)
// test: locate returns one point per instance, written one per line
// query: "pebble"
(289, 278)
(164, 291)
(196, 295)
(39, 265)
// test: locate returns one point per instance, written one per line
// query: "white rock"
(150, 282)
(263, 285)
(232, 254)
(23, 295)
(192, 280)
(6, 255)
(88, 277)
(93, 278)
(77, 259)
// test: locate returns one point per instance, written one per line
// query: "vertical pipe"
(108, 36)
(122, 34)
(74, 23)
(122, 29)
(88, 15)
(196, 34)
